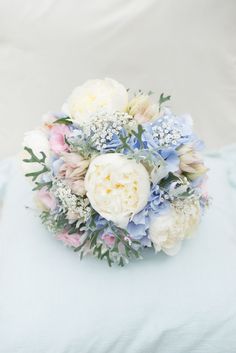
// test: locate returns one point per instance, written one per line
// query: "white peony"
(168, 230)
(95, 95)
(37, 140)
(117, 187)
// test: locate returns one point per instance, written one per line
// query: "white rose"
(117, 187)
(168, 230)
(36, 140)
(94, 95)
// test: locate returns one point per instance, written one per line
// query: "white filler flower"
(94, 95)
(117, 187)
(37, 140)
(168, 230)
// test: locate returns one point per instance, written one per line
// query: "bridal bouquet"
(115, 173)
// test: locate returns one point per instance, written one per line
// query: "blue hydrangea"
(56, 163)
(114, 143)
(157, 202)
(168, 131)
(171, 159)
(138, 227)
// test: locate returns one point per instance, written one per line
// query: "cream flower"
(142, 108)
(117, 187)
(73, 172)
(191, 162)
(168, 230)
(95, 95)
(37, 140)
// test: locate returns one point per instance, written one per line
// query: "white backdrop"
(186, 48)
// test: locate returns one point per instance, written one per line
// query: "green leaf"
(121, 262)
(124, 144)
(139, 134)
(64, 121)
(81, 246)
(128, 248)
(33, 158)
(163, 99)
(107, 255)
(169, 179)
(98, 250)
(35, 175)
(39, 186)
(94, 239)
(73, 229)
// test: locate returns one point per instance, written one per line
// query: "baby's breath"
(70, 202)
(166, 133)
(184, 206)
(103, 126)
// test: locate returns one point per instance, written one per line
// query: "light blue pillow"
(51, 302)
(5, 167)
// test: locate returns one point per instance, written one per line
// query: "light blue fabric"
(50, 302)
(5, 175)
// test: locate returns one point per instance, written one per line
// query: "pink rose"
(47, 198)
(57, 138)
(70, 239)
(109, 239)
(73, 172)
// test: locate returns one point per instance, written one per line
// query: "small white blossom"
(166, 133)
(102, 126)
(71, 203)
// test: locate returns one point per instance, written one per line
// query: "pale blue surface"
(50, 302)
